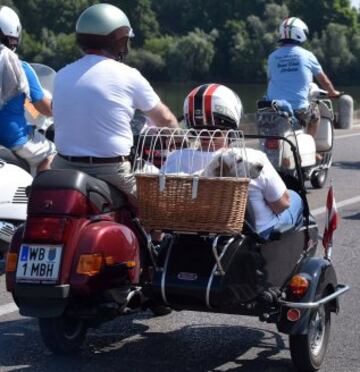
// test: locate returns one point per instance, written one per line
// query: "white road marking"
(343, 203)
(347, 135)
(8, 308)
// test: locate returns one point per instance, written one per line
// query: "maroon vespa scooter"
(76, 262)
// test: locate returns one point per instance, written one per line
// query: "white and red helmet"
(212, 106)
(293, 29)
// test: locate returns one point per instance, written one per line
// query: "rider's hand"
(334, 94)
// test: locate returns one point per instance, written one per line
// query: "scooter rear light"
(293, 315)
(49, 229)
(89, 264)
(11, 262)
(272, 144)
(298, 285)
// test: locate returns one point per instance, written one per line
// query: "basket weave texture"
(219, 206)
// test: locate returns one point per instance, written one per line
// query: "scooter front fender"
(116, 243)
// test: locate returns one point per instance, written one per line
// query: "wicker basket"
(219, 206)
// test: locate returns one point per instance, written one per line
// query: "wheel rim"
(72, 328)
(317, 331)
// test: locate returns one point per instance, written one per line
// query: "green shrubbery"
(183, 40)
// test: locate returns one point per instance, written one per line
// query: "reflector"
(293, 315)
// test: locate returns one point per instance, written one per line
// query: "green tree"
(333, 51)
(190, 57)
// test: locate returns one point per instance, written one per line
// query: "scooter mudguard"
(321, 276)
(118, 246)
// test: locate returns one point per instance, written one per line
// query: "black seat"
(98, 191)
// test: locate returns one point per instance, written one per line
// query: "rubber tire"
(60, 340)
(318, 179)
(300, 348)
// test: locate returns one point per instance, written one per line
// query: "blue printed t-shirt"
(290, 71)
(13, 126)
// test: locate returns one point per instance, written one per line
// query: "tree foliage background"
(182, 40)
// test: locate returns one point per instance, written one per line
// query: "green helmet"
(104, 26)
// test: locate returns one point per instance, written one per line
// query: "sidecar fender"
(322, 278)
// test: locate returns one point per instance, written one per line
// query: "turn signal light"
(298, 285)
(130, 264)
(11, 262)
(89, 264)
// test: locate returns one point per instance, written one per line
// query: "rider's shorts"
(36, 149)
(308, 115)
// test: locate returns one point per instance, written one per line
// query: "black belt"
(94, 160)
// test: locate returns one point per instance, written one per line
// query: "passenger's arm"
(44, 106)
(326, 84)
(280, 205)
(162, 116)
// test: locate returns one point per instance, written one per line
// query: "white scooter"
(273, 119)
(15, 174)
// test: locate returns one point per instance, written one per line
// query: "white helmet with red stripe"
(293, 29)
(212, 106)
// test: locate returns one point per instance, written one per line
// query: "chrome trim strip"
(341, 289)
(211, 278)
(216, 256)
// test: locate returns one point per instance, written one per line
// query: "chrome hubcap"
(317, 331)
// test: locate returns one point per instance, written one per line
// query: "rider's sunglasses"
(211, 135)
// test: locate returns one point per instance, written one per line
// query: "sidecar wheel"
(308, 351)
(62, 335)
(318, 179)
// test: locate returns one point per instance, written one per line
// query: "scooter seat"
(9, 157)
(98, 191)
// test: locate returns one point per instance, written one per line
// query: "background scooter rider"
(95, 99)
(291, 69)
(272, 204)
(19, 82)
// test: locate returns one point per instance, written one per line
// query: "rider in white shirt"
(95, 99)
(213, 106)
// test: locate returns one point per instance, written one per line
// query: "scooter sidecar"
(280, 280)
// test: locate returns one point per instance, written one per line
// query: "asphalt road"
(191, 341)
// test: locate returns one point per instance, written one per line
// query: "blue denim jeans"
(291, 216)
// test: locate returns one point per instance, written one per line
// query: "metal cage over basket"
(182, 195)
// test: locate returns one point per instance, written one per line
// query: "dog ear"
(213, 168)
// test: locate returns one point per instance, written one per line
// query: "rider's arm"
(280, 205)
(150, 103)
(44, 106)
(161, 116)
(326, 84)
(274, 189)
(39, 99)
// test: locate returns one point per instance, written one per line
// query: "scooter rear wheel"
(308, 351)
(63, 335)
(318, 179)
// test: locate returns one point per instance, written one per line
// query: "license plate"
(38, 263)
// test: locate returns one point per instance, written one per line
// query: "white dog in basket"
(235, 162)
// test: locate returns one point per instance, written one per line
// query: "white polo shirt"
(94, 101)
